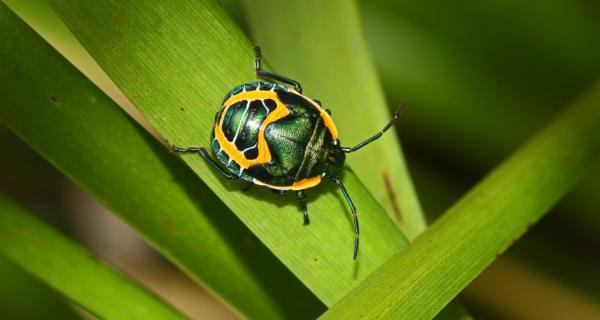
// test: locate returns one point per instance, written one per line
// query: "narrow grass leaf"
(71, 270)
(175, 60)
(20, 290)
(420, 280)
(40, 17)
(330, 58)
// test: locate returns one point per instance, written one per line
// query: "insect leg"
(204, 154)
(247, 186)
(378, 134)
(354, 216)
(278, 192)
(270, 75)
(302, 198)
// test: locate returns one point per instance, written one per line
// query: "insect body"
(272, 135)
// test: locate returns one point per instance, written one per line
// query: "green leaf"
(330, 58)
(175, 60)
(76, 127)
(71, 270)
(420, 280)
(20, 291)
(42, 19)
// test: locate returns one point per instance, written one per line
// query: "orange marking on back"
(264, 154)
(297, 185)
(327, 121)
(329, 124)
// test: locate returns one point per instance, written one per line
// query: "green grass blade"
(330, 58)
(76, 127)
(20, 291)
(40, 17)
(419, 281)
(175, 60)
(71, 270)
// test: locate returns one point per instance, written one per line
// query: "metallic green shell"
(298, 142)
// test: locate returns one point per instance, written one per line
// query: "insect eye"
(336, 142)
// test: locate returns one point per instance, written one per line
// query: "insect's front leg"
(273, 76)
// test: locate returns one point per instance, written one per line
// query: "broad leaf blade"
(419, 281)
(71, 270)
(76, 127)
(175, 60)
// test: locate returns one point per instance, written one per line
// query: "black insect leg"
(272, 76)
(278, 192)
(206, 157)
(302, 198)
(354, 216)
(247, 186)
(378, 134)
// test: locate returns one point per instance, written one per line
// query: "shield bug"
(272, 135)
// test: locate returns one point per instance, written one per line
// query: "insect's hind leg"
(302, 198)
(204, 154)
(272, 76)
(278, 192)
(247, 186)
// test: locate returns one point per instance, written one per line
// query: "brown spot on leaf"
(167, 226)
(54, 99)
(392, 195)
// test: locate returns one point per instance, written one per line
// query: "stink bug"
(272, 135)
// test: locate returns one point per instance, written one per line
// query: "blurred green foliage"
(24, 297)
(482, 77)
